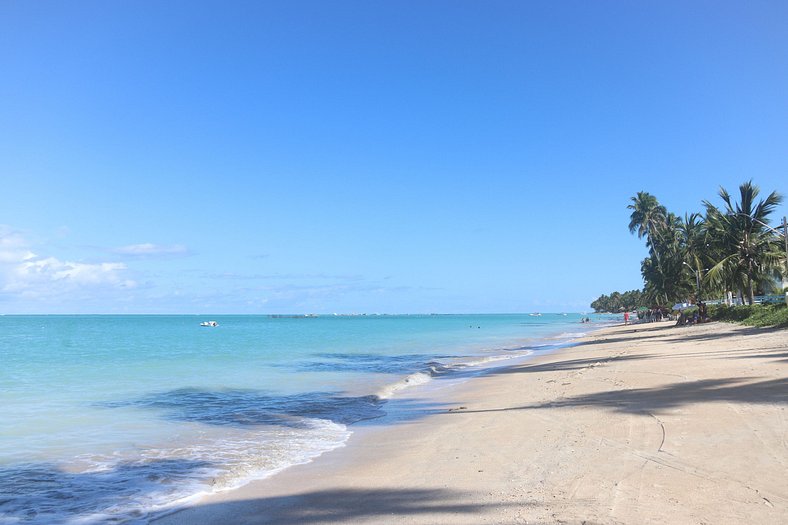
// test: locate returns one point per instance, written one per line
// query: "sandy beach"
(636, 424)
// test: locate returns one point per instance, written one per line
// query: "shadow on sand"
(670, 333)
(347, 506)
(664, 397)
(642, 400)
(654, 400)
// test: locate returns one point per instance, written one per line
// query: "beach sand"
(637, 424)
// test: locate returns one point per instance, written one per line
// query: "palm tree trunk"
(750, 291)
(655, 250)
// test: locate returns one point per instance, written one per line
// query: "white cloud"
(51, 275)
(148, 249)
(13, 247)
(26, 274)
(284, 276)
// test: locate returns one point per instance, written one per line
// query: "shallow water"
(111, 418)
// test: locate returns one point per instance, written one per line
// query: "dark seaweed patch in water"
(251, 407)
(376, 363)
(42, 493)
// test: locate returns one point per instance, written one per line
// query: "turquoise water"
(111, 418)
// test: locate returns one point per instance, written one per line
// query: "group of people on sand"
(653, 315)
(688, 316)
(697, 315)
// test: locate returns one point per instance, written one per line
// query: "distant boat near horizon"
(211, 324)
(535, 314)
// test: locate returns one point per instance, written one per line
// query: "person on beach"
(704, 316)
(626, 317)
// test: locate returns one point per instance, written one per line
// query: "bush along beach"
(764, 315)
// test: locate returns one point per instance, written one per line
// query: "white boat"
(537, 314)
(209, 323)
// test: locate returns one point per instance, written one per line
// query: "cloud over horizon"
(25, 274)
(151, 250)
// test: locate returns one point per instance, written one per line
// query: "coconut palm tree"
(663, 270)
(647, 215)
(648, 219)
(693, 239)
(745, 250)
(671, 247)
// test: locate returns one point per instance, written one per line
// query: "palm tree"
(648, 218)
(647, 215)
(745, 249)
(692, 232)
(669, 247)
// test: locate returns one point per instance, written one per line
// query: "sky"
(379, 157)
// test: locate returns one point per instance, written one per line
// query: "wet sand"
(636, 424)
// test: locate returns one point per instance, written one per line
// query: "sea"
(120, 418)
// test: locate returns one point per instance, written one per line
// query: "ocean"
(111, 418)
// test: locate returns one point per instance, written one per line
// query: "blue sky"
(257, 157)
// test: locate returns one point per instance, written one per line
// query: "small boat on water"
(209, 323)
(537, 314)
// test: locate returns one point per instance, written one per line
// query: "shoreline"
(401, 398)
(638, 423)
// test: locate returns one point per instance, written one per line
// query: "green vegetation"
(619, 302)
(756, 315)
(727, 249)
(698, 256)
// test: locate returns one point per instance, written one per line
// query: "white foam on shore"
(570, 335)
(262, 463)
(159, 478)
(419, 378)
(446, 370)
